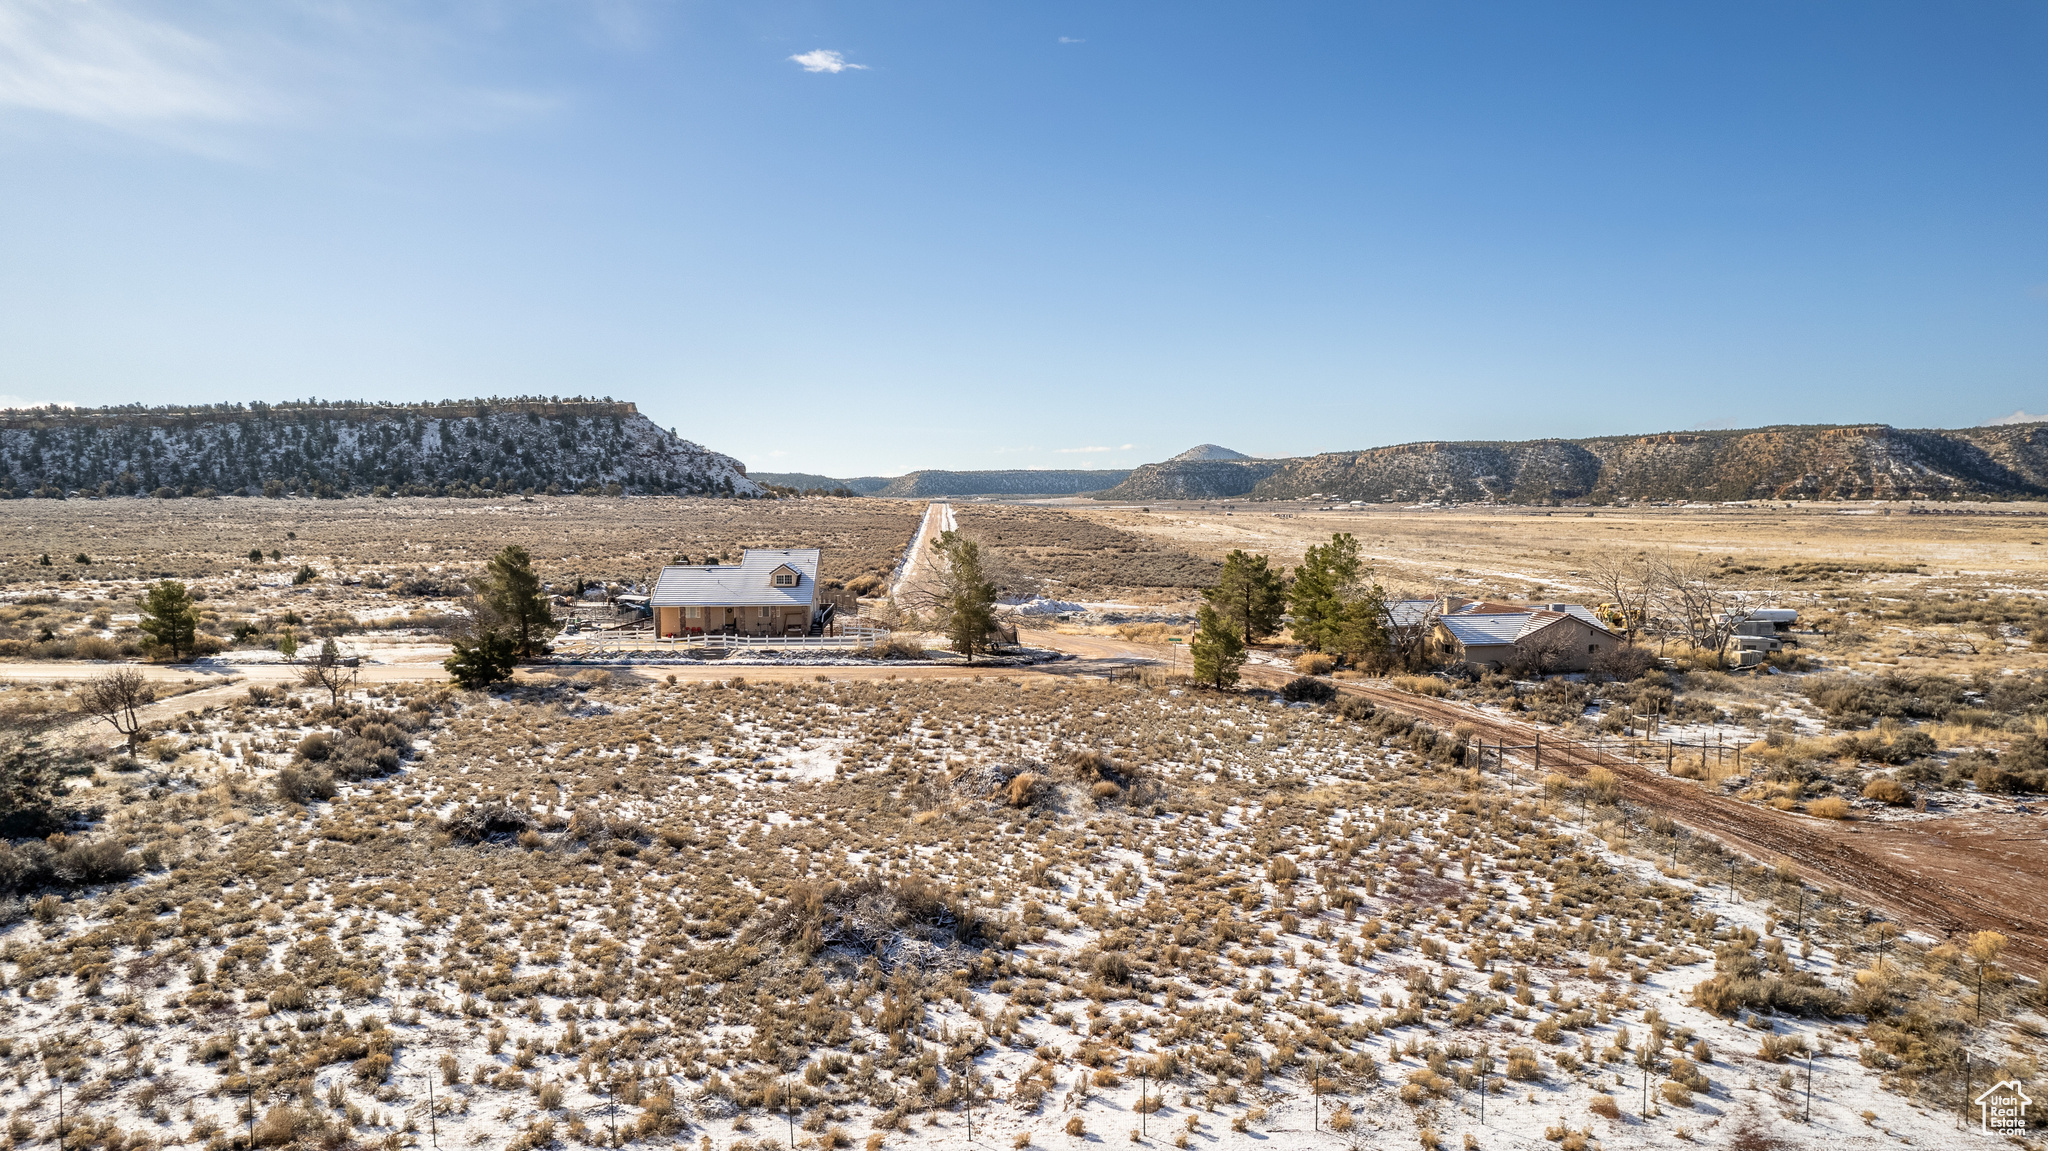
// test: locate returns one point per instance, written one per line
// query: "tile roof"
(744, 584)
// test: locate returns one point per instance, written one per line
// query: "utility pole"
(60, 1109)
(789, 1109)
(967, 1074)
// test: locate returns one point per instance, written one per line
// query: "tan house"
(1549, 637)
(770, 592)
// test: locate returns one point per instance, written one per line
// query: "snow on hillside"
(422, 449)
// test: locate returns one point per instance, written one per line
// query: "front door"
(729, 619)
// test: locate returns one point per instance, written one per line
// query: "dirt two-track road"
(1944, 876)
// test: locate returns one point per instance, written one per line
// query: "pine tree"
(1251, 595)
(1337, 609)
(511, 589)
(1322, 583)
(487, 660)
(169, 619)
(967, 603)
(1217, 651)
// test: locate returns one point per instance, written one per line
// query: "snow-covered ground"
(1277, 884)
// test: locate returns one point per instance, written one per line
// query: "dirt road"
(1948, 876)
(938, 519)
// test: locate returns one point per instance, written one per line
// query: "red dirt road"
(1946, 876)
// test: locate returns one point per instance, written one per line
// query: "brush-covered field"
(608, 911)
(378, 570)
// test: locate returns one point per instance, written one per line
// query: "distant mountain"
(1811, 462)
(804, 481)
(1023, 482)
(455, 447)
(1197, 478)
(1207, 452)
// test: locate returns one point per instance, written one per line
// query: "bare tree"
(1629, 582)
(118, 698)
(329, 673)
(1546, 651)
(1704, 611)
(1410, 636)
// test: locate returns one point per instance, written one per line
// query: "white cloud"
(825, 60)
(8, 403)
(1071, 40)
(98, 62)
(188, 75)
(2019, 417)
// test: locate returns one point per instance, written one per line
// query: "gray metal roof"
(1485, 629)
(1583, 614)
(1507, 627)
(1409, 612)
(744, 584)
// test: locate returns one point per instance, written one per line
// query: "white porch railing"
(641, 638)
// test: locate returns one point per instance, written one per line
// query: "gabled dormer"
(784, 576)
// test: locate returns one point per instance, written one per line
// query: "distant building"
(770, 592)
(1549, 637)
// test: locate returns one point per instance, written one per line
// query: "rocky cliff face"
(1860, 462)
(469, 447)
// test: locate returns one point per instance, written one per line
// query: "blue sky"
(862, 238)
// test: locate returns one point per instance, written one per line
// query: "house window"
(1592, 649)
(785, 579)
(764, 613)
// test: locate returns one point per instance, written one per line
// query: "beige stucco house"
(770, 592)
(1552, 637)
